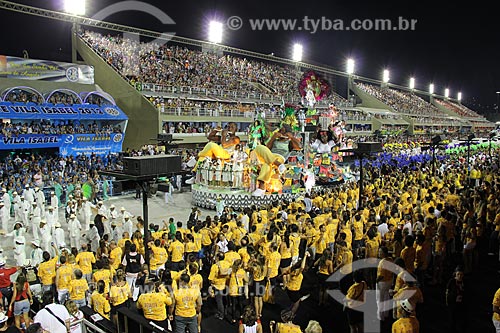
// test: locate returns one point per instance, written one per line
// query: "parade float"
(277, 164)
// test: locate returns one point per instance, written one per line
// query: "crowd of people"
(238, 261)
(23, 95)
(179, 66)
(459, 109)
(48, 127)
(401, 101)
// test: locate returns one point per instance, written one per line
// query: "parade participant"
(47, 270)
(75, 228)
(154, 304)
(99, 302)
(408, 323)
(40, 199)
(59, 236)
(78, 288)
(119, 295)
(187, 304)
(4, 216)
(36, 254)
(85, 259)
(268, 161)
(54, 201)
(221, 143)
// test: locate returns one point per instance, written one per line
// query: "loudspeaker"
(437, 139)
(369, 147)
(152, 165)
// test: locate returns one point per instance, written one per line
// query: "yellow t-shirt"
(295, 282)
(371, 248)
(294, 244)
(185, 302)
(288, 328)
(85, 261)
(154, 305)
(245, 257)
(382, 270)
(219, 281)
(358, 230)
(236, 282)
(159, 257)
(196, 281)
(119, 295)
(105, 275)
(116, 257)
(65, 276)
(496, 302)
(177, 251)
(273, 264)
(205, 237)
(100, 304)
(406, 325)
(408, 254)
(231, 257)
(47, 271)
(197, 240)
(77, 289)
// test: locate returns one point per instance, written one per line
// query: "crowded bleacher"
(401, 101)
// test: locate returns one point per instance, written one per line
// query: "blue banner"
(50, 111)
(68, 144)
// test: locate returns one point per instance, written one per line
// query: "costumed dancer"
(267, 160)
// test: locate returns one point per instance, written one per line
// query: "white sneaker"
(258, 193)
(282, 168)
(303, 298)
(190, 181)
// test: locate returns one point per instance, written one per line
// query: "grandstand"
(70, 116)
(181, 89)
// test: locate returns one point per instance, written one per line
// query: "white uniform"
(19, 250)
(128, 226)
(54, 202)
(52, 217)
(36, 217)
(29, 195)
(46, 237)
(87, 213)
(40, 200)
(36, 256)
(74, 227)
(6, 201)
(4, 217)
(25, 211)
(59, 238)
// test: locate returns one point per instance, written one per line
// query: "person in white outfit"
(75, 228)
(4, 216)
(52, 217)
(54, 201)
(6, 199)
(123, 213)
(19, 250)
(87, 212)
(40, 199)
(102, 210)
(59, 237)
(36, 255)
(35, 217)
(29, 194)
(15, 201)
(128, 225)
(21, 211)
(45, 235)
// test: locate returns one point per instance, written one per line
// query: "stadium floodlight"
(431, 88)
(385, 76)
(75, 7)
(447, 93)
(412, 83)
(350, 66)
(297, 52)
(459, 96)
(215, 32)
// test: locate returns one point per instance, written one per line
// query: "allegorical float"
(274, 164)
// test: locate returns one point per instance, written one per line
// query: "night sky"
(454, 45)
